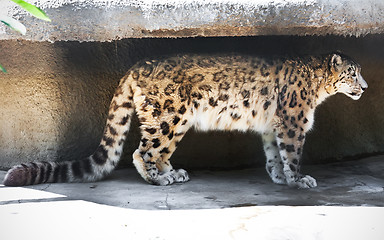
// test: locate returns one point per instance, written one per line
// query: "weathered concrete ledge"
(107, 20)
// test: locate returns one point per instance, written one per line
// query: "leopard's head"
(345, 76)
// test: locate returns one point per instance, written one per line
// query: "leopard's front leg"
(290, 143)
(274, 164)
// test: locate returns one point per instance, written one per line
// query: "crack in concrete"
(43, 189)
(166, 202)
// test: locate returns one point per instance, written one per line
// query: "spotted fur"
(276, 97)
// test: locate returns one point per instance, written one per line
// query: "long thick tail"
(94, 167)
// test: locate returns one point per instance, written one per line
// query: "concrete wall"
(106, 20)
(55, 98)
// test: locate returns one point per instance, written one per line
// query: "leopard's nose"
(363, 83)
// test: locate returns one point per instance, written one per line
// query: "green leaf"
(35, 11)
(2, 69)
(14, 24)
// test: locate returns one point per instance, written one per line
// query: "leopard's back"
(218, 92)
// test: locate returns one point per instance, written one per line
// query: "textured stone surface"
(87, 220)
(106, 20)
(55, 98)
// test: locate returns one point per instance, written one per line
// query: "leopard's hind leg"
(157, 144)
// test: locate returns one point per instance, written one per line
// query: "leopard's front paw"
(277, 175)
(304, 181)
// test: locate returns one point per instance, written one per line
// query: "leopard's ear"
(335, 61)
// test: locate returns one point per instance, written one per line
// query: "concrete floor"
(240, 204)
(356, 183)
